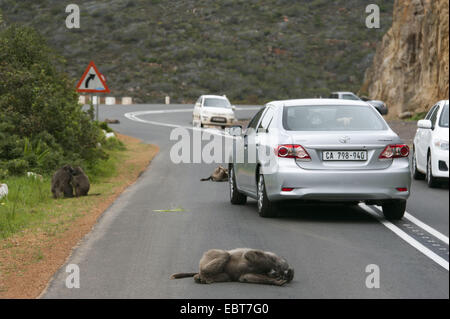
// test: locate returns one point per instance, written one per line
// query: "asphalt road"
(133, 250)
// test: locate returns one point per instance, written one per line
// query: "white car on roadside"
(430, 150)
(213, 110)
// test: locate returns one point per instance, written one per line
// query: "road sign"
(92, 81)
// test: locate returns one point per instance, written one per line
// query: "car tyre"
(265, 207)
(236, 197)
(415, 173)
(394, 210)
(431, 180)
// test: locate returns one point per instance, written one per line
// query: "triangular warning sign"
(92, 81)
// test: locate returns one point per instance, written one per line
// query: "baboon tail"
(183, 275)
(205, 179)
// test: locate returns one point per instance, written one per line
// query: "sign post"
(93, 81)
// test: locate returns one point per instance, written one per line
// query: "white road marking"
(134, 116)
(427, 252)
(424, 226)
(427, 228)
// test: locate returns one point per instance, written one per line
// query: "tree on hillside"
(41, 123)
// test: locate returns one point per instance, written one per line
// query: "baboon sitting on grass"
(80, 182)
(61, 182)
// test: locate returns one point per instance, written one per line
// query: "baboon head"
(220, 173)
(77, 171)
(281, 269)
(68, 169)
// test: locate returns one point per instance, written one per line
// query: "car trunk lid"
(372, 143)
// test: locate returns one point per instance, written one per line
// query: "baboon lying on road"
(243, 265)
(80, 182)
(220, 174)
(61, 182)
(113, 121)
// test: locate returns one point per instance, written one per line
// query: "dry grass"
(29, 258)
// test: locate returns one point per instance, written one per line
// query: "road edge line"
(424, 250)
(424, 226)
(427, 228)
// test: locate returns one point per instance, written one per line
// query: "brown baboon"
(113, 121)
(80, 182)
(243, 265)
(61, 182)
(220, 174)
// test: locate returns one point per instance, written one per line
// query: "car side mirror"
(426, 124)
(233, 107)
(234, 130)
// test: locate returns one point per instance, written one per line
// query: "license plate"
(218, 119)
(344, 155)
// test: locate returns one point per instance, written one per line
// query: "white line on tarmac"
(134, 116)
(424, 250)
(427, 228)
(424, 226)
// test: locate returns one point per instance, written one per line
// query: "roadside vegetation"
(417, 116)
(42, 127)
(30, 204)
(38, 232)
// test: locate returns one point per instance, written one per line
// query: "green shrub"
(104, 126)
(17, 166)
(113, 144)
(42, 125)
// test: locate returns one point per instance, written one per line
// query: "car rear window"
(332, 118)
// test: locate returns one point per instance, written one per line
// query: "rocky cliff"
(410, 70)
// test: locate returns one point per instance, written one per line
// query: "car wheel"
(265, 207)
(394, 210)
(431, 180)
(415, 173)
(236, 197)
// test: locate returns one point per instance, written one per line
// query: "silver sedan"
(319, 150)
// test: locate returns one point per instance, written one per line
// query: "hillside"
(252, 51)
(411, 65)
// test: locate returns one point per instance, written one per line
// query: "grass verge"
(37, 232)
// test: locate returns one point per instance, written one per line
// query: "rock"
(405, 115)
(3, 190)
(411, 64)
(110, 135)
(35, 176)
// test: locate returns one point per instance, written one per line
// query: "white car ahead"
(430, 157)
(213, 110)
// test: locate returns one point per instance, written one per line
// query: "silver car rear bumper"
(339, 185)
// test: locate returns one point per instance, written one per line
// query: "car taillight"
(292, 151)
(395, 151)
